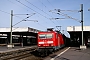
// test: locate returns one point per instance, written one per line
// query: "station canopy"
(25, 31)
(77, 30)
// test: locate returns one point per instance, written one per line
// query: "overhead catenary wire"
(53, 7)
(34, 10)
(39, 9)
(16, 4)
(69, 17)
(42, 3)
(36, 7)
(19, 6)
(15, 15)
(31, 9)
(4, 12)
(18, 16)
(66, 16)
(24, 8)
(23, 19)
(60, 13)
(50, 3)
(67, 10)
(9, 13)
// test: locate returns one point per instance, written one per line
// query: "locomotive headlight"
(41, 42)
(49, 41)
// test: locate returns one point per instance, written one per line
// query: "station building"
(76, 35)
(25, 35)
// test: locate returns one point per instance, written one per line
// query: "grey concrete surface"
(75, 54)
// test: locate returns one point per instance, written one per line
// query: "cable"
(39, 9)
(4, 12)
(36, 7)
(33, 10)
(42, 3)
(69, 17)
(15, 15)
(67, 10)
(16, 4)
(48, 9)
(21, 21)
(50, 3)
(8, 13)
(53, 7)
(60, 13)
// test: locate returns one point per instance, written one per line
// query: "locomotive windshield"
(43, 36)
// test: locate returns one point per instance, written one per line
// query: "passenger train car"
(50, 40)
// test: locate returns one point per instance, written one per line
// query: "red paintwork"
(57, 41)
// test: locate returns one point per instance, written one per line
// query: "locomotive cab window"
(43, 36)
(49, 35)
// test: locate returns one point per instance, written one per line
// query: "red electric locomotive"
(50, 40)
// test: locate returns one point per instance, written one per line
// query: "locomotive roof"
(50, 32)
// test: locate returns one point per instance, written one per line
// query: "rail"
(6, 44)
(17, 54)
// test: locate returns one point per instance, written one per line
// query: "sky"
(45, 12)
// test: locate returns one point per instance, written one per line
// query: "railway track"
(19, 54)
(16, 56)
(25, 55)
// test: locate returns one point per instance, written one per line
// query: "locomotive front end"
(45, 40)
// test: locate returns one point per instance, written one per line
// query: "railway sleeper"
(11, 54)
(14, 55)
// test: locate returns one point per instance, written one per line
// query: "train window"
(49, 35)
(42, 36)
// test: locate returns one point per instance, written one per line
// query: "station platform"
(4, 49)
(73, 53)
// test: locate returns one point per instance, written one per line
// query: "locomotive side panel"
(62, 40)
